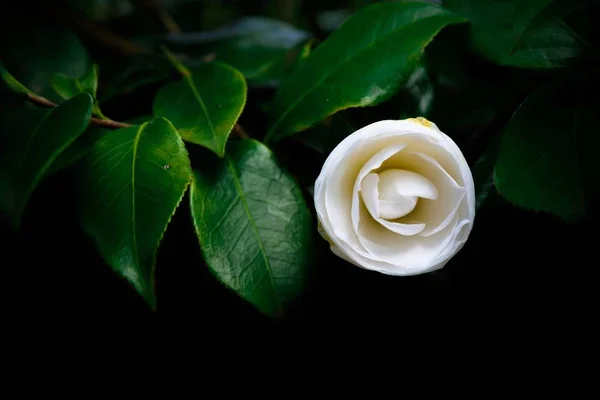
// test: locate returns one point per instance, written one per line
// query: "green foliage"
(204, 105)
(354, 68)
(514, 83)
(526, 34)
(537, 166)
(130, 185)
(253, 225)
(68, 87)
(35, 139)
(78, 149)
(11, 82)
(34, 54)
(258, 47)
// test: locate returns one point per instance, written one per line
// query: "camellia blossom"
(396, 197)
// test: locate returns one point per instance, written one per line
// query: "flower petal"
(373, 163)
(370, 195)
(397, 183)
(337, 181)
(438, 213)
(405, 253)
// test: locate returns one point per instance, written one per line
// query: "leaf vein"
(196, 94)
(240, 191)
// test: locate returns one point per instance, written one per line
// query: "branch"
(238, 130)
(107, 123)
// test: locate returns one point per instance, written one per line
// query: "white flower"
(396, 197)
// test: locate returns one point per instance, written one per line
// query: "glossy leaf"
(300, 54)
(68, 87)
(34, 139)
(11, 82)
(143, 69)
(526, 34)
(131, 184)
(78, 149)
(361, 64)
(33, 54)
(255, 46)
(253, 225)
(538, 163)
(204, 105)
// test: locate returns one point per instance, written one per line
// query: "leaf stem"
(107, 123)
(238, 130)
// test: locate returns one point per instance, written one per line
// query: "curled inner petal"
(370, 193)
(436, 213)
(399, 191)
(404, 194)
(373, 163)
(397, 208)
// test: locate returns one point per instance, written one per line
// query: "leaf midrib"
(189, 80)
(240, 191)
(136, 142)
(326, 76)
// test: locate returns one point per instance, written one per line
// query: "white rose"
(396, 197)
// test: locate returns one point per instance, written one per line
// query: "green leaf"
(537, 166)
(78, 149)
(526, 34)
(143, 69)
(131, 184)
(68, 87)
(12, 83)
(34, 139)
(255, 46)
(35, 53)
(253, 225)
(300, 54)
(140, 120)
(362, 64)
(204, 105)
